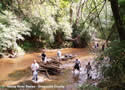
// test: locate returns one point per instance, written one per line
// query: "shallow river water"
(65, 81)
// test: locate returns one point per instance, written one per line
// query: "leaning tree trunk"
(118, 20)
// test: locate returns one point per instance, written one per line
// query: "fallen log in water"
(50, 68)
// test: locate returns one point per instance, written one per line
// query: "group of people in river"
(78, 65)
(96, 46)
(35, 66)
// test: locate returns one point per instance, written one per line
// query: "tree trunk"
(71, 13)
(118, 20)
(78, 13)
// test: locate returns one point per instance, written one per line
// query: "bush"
(89, 87)
(11, 30)
(82, 33)
(115, 74)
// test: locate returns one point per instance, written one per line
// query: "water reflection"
(75, 76)
(80, 78)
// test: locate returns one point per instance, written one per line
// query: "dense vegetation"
(32, 24)
(114, 74)
(55, 24)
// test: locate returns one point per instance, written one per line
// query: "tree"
(118, 20)
(12, 30)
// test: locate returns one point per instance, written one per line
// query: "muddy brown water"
(9, 65)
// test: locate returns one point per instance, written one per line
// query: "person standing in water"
(88, 67)
(34, 68)
(59, 54)
(77, 65)
(103, 47)
(97, 45)
(35, 75)
(43, 55)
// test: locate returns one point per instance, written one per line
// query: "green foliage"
(122, 9)
(46, 30)
(81, 31)
(11, 30)
(1, 12)
(51, 17)
(105, 22)
(27, 46)
(49, 20)
(115, 73)
(89, 87)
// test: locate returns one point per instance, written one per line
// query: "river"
(11, 65)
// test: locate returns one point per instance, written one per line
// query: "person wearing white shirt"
(35, 67)
(59, 54)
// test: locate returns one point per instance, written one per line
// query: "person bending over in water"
(88, 67)
(77, 65)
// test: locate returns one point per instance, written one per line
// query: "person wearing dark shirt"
(43, 55)
(88, 67)
(103, 47)
(77, 65)
(97, 45)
